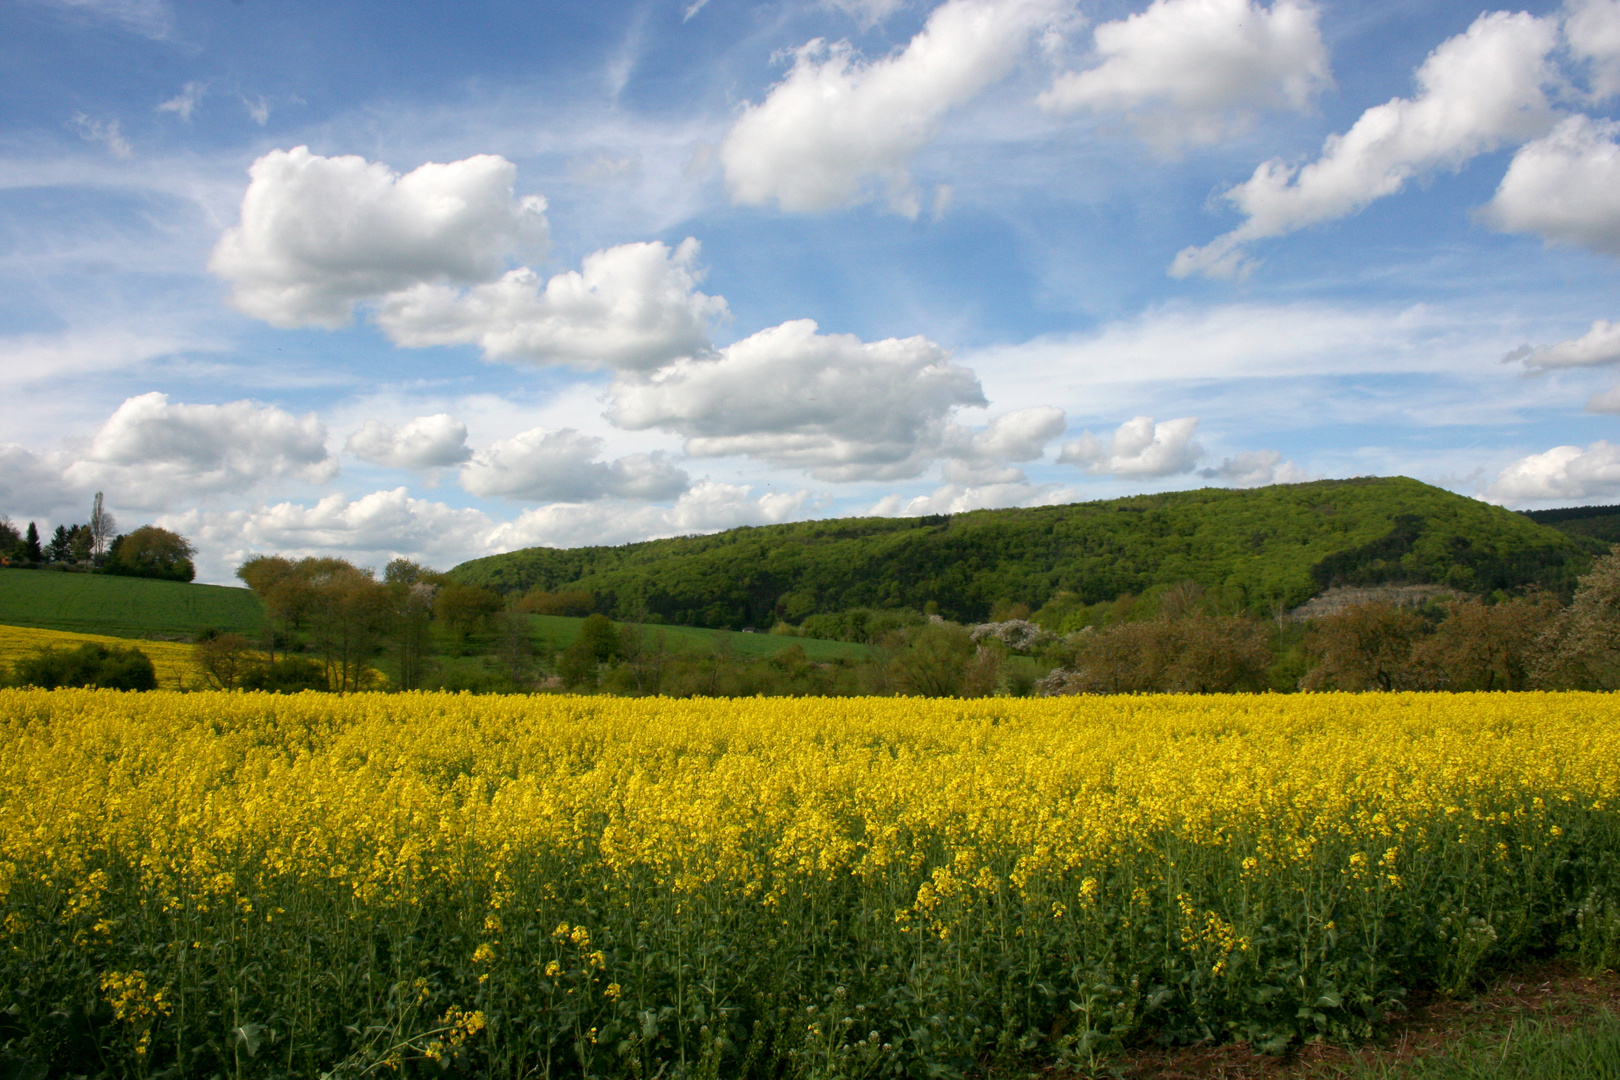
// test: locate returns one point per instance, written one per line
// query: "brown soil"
(1552, 991)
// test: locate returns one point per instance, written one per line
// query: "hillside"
(1257, 548)
(1597, 527)
(123, 606)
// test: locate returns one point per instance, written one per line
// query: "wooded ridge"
(1260, 550)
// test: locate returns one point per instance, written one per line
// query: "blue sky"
(443, 280)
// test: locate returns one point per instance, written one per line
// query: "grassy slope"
(123, 607)
(1258, 547)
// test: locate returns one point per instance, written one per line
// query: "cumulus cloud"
(1138, 447)
(1194, 71)
(426, 442)
(185, 102)
(30, 483)
(562, 466)
(1606, 401)
(386, 524)
(378, 526)
(1477, 91)
(152, 452)
(961, 498)
(1259, 468)
(843, 408)
(706, 507)
(1599, 345)
(1565, 187)
(1592, 28)
(985, 457)
(634, 306)
(837, 121)
(319, 234)
(1564, 472)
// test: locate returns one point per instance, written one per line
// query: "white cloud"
(318, 234)
(26, 358)
(1259, 468)
(425, 442)
(843, 408)
(983, 457)
(185, 102)
(1592, 28)
(30, 484)
(1564, 472)
(561, 466)
(257, 108)
(1177, 343)
(633, 306)
(1605, 401)
(150, 453)
(1564, 187)
(378, 526)
(837, 120)
(960, 498)
(1138, 448)
(1478, 91)
(1194, 71)
(107, 134)
(706, 507)
(1599, 345)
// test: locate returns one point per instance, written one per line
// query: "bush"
(91, 664)
(288, 675)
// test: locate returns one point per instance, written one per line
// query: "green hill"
(1597, 527)
(122, 606)
(1257, 548)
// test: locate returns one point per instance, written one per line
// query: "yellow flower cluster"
(647, 869)
(173, 662)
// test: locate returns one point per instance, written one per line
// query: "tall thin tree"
(102, 525)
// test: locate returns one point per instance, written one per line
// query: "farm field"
(124, 606)
(174, 663)
(563, 886)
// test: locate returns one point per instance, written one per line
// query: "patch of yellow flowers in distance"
(173, 662)
(574, 885)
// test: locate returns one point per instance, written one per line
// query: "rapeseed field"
(257, 885)
(174, 662)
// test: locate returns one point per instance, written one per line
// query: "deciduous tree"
(1364, 647)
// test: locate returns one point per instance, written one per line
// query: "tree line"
(330, 625)
(96, 546)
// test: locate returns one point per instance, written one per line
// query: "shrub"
(91, 664)
(288, 675)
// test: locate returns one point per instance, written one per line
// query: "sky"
(437, 281)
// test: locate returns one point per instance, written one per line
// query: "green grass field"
(123, 607)
(139, 607)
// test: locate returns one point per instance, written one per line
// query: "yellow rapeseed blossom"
(407, 863)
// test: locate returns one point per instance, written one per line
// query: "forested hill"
(1256, 548)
